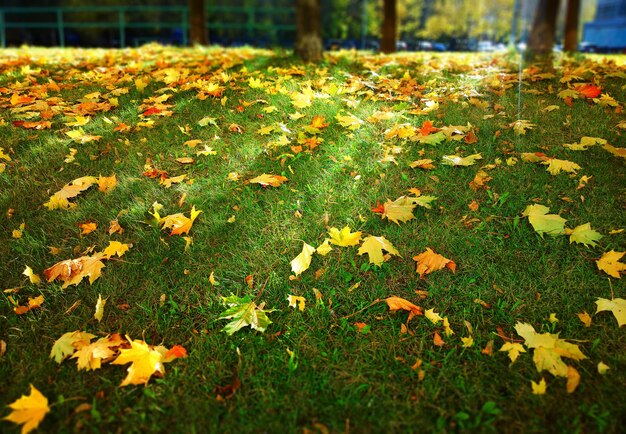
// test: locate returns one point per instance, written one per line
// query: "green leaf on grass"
(244, 312)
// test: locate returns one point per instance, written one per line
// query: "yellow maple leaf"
(324, 248)
(513, 349)
(29, 410)
(116, 248)
(167, 182)
(179, 223)
(609, 263)
(145, 362)
(268, 179)
(542, 222)
(555, 166)
(429, 261)
(79, 136)
(455, 160)
(432, 316)
(520, 126)
(585, 143)
(583, 234)
(398, 303)
(616, 305)
(89, 357)
(88, 227)
(349, 121)
(426, 164)
(467, 342)
(73, 189)
(374, 247)
(67, 344)
(548, 350)
(344, 238)
(399, 210)
(538, 388)
(296, 300)
(107, 183)
(302, 262)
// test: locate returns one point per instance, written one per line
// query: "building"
(607, 32)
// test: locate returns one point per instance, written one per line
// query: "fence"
(130, 23)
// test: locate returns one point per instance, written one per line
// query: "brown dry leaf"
(115, 228)
(72, 271)
(398, 303)
(185, 160)
(480, 180)
(429, 261)
(488, 350)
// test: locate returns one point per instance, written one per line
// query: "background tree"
(543, 31)
(570, 41)
(197, 23)
(308, 30)
(390, 27)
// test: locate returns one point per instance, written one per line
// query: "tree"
(308, 30)
(197, 23)
(570, 41)
(390, 27)
(543, 31)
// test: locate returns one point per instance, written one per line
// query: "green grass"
(339, 378)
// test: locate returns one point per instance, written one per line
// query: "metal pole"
(60, 27)
(122, 25)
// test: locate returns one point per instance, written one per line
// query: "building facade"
(607, 32)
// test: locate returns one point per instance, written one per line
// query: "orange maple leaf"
(427, 128)
(318, 122)
(589, 90)
(430, 261)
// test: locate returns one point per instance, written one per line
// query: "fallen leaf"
(437, 340)
(602, 368)
(107, 184)
(67, 344)
(72, 271)
(609, 263)
(573, 379)
(455, 160)
(374, 247)
(538, 388)
(295, 300)
(88, 227)
(32, 277)
(585, 318)
(432, 316)
(145, 362)
(583, 234)
(302, 262)
(544, 223)
(99, 308)
(397, 303)
(513, 349)
(29, 410)
(267, 179)
(344, 238)
(429, 261)
(556, 166)
(616, 305)
(244, 313)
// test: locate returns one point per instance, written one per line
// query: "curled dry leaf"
(429, 261)
(398, 303)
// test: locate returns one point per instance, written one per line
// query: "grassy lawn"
(346, 362)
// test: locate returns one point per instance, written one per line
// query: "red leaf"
(589, 90)
(152, 111)
(379, 209)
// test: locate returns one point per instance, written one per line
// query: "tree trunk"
(543, 32)
(390, 26)
(308, 30)
(572, 18)
(197, 23)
